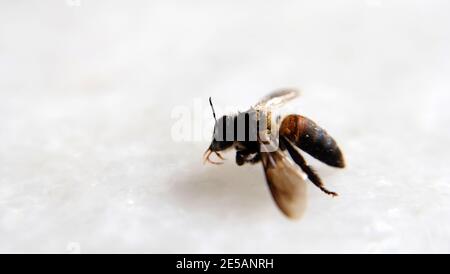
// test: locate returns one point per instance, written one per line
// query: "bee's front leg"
(241, 157)
(244, 156)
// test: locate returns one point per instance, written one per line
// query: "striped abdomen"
(311, 138)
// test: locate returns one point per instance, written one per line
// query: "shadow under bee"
(223, 191)
(228, 192)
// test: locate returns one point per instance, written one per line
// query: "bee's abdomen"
(311, 138)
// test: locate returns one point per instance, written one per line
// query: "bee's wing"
(286, 183)
(277, 98)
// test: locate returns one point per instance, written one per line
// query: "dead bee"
(251, 134)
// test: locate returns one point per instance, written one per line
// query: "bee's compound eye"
(214, 145)
(219, 133)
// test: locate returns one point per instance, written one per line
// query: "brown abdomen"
(311, 138)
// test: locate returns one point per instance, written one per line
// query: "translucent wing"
(286, 183)
(278, 98)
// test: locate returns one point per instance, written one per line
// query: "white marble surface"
(87, 89)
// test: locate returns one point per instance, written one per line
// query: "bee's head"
(219, 142)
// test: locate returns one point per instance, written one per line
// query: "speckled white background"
(87, 89)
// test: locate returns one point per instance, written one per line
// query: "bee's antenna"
(212, 107)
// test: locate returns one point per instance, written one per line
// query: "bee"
(256, 138)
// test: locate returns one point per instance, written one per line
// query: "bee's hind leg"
(312, 176)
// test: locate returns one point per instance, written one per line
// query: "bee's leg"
(312, 176)
(281, 145)
(255, 159)
(243, 156)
